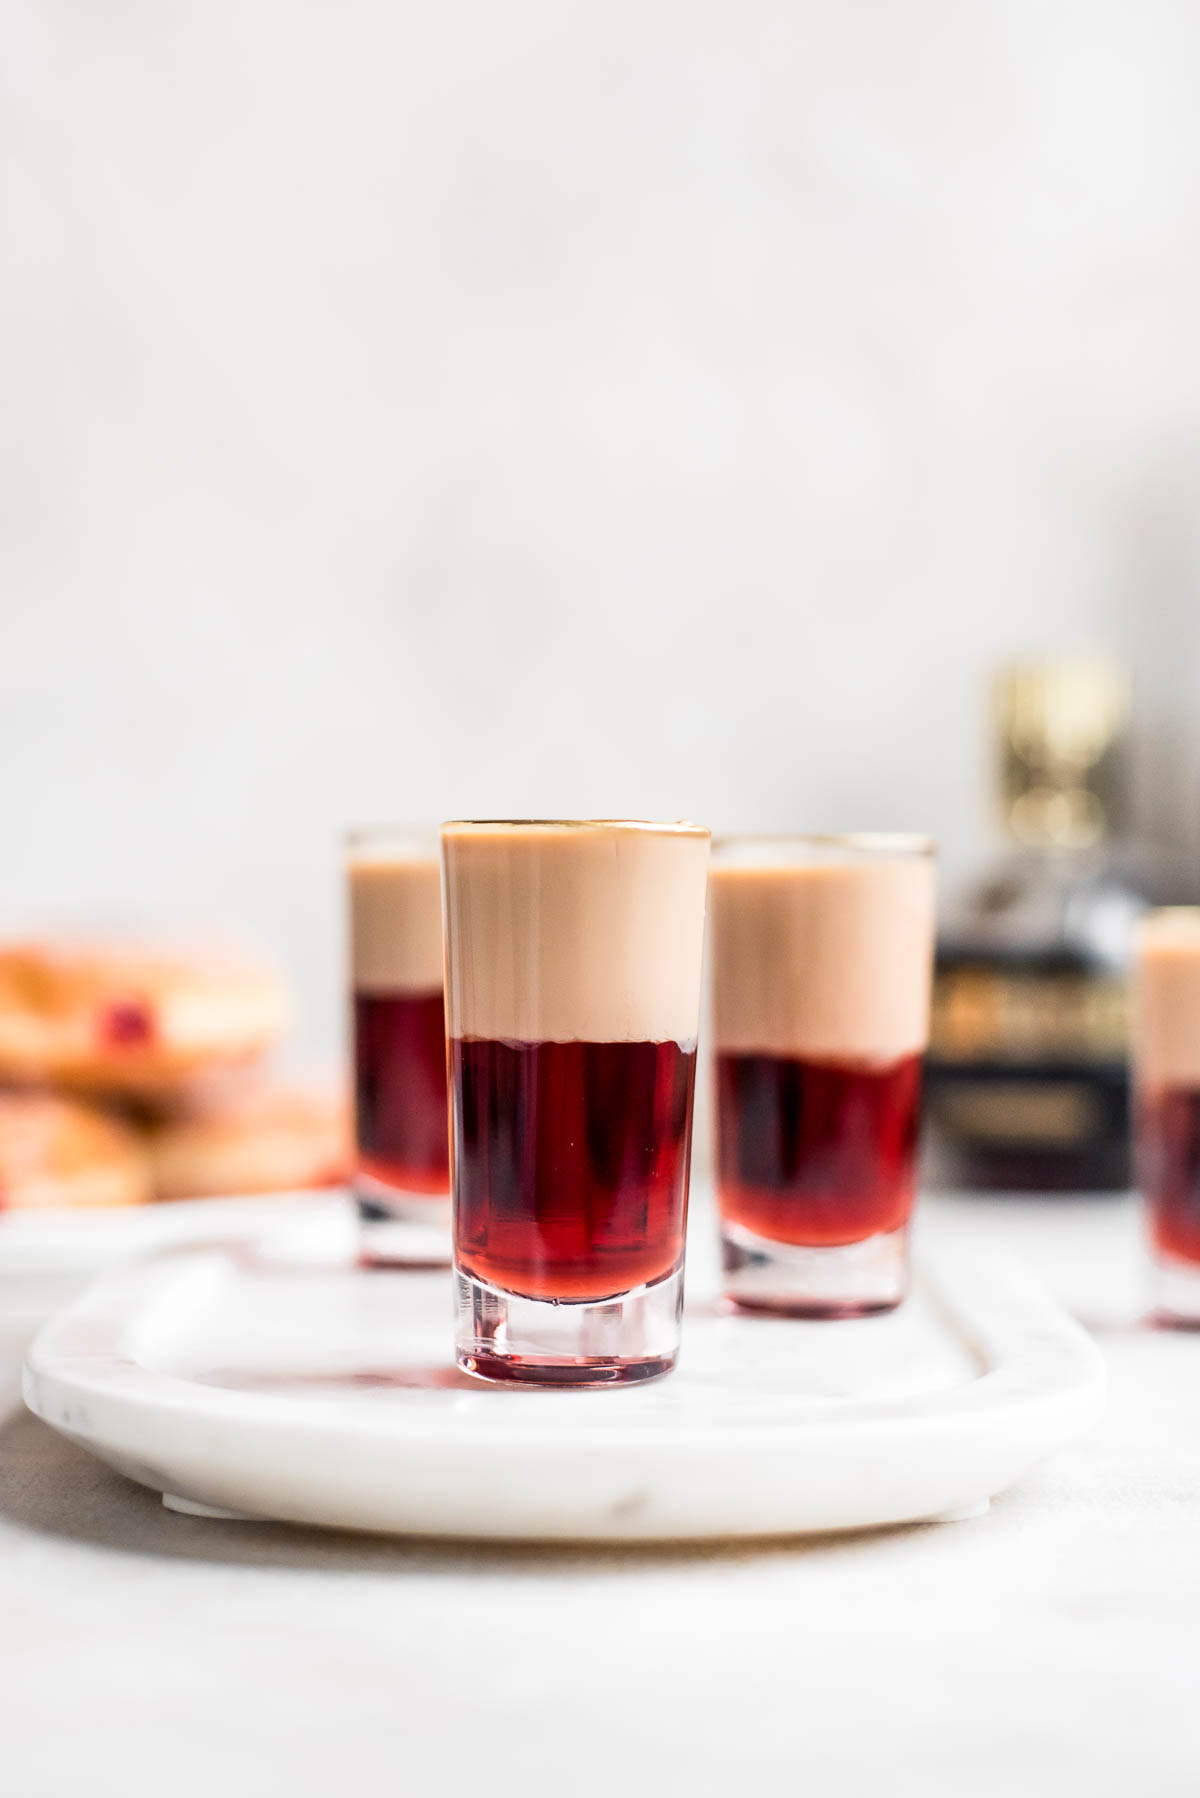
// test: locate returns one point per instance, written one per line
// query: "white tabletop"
(1051, 1645)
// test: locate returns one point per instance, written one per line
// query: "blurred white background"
(573, 406)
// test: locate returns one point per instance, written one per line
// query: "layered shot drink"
(402, 1156)
(1166, 1068)
(822, 955)
(573, 959)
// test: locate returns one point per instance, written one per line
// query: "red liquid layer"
(813, 1154)
(570, 1164)
(1169, 1168)
(402, 1134)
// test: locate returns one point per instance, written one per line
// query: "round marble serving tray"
(48, 1257)
(85, 1241)
(281, 1383)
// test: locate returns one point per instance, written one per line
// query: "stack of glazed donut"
(132, 1074)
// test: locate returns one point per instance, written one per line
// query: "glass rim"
(417, 839)
(673, 827)
(880, 843)
(1168, 915)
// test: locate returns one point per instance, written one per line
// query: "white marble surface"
(1050, 1646)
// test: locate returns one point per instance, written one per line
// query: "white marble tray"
(46, 1257)
(283, 1383)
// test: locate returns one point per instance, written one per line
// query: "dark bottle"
(1027, 1077)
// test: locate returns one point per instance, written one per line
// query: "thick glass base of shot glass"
(398, 1227)
(571, 1342)
(780, 1279)
(1174, 1291)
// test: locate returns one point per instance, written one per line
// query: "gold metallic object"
(1060, 720)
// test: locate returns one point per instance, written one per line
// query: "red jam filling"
(126, 1024)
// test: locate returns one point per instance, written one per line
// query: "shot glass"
(1166, 1078)
(822, 960)
(402, 1134)
(573, 961)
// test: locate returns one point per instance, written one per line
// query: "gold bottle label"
(993, 1014)
(1050, 1114)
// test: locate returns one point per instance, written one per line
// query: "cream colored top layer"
(1166, 1000)
(561, 933)
(830, 960)
(395, 921)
